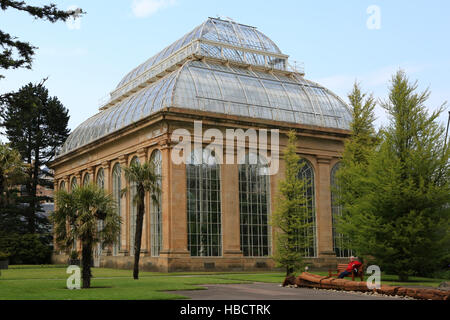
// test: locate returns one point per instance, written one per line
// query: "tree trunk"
(86, 259)
(138, 237)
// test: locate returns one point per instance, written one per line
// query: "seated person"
(352, 267)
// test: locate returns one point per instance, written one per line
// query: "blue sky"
(85, 62)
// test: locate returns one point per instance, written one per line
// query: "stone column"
(124, 208)
(173, 205)
(142, 155)
(230, 211)
(91, 172)
(324, 218)
(106, 166)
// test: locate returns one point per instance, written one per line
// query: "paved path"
(270, 291)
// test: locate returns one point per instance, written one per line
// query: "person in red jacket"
(352, 267)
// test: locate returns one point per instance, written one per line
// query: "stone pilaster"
(230, 211)
(124, 208)
(173, 205)
(324, 218)
(142, 155)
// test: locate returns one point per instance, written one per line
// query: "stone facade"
(322, 147)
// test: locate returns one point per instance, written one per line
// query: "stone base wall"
(191, 264)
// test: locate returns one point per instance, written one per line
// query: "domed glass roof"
(215, 30)
(213, 84)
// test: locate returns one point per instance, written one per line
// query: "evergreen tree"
(351, 176)
(18, 54)
(291, 215)
(12, 175)
(36, 126)
(401, 213)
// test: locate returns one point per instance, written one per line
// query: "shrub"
(26, 249)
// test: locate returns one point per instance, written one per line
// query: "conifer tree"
(400, 214)
(19, 54)
(290, 218)
(36, 126)
(352, 173)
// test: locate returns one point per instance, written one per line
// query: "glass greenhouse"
(256, 84)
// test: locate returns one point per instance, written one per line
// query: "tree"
(403, 207)
(18, 54)
(12, 174)
(76, 217)
(352, 173)
(144, 179)
(291, 215)
(36, 126)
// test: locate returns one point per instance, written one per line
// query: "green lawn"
(49, 283)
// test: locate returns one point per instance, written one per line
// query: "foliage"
(400, 212)
(144, 178)
(12, 174)
(76, 217)
(291, 214)
(26, 248)
(36, 126)
(4, 255)
(18, 54)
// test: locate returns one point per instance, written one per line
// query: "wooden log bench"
(342, 267)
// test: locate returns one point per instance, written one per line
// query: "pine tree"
(18, 54)
(290, 218)
(36, 126)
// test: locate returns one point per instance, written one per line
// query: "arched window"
(100, 224)
(101, 178)
(156, 208)
(116, 186)
(133, 210)
(340, 244)
(307, 175)
(86, 179)
(254, 199)
(204, 205)
(73, 184)
(62, 185)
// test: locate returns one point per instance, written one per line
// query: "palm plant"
(144, 178)
(76, 217)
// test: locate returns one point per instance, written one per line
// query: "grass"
(49, 283)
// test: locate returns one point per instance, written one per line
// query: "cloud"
(145, 8)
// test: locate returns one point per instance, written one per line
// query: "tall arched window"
(307, 174)
(254, 199)
(156, 207)
(116, 185)
(86, 179)
(204, 205)
(101, 178)
(62, 185)
(133, 210)
(100, 224)
(73, 184)
(340, 244)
